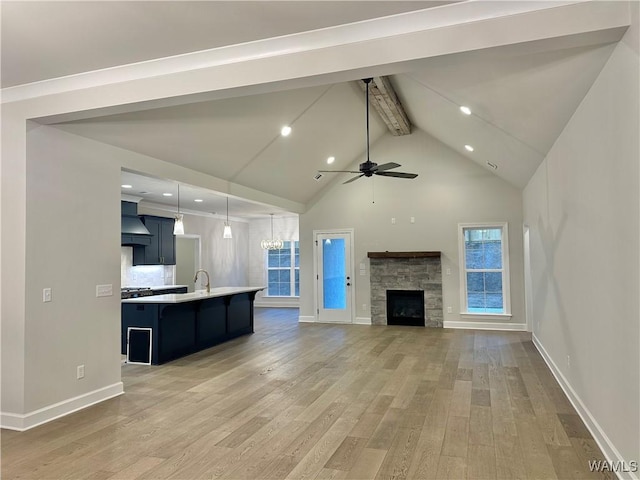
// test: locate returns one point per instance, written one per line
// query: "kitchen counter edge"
(193, 296)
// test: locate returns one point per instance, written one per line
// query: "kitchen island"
(160, 328)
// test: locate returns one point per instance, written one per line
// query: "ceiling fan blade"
(397, 174)
(339, 171)
(387, 166)
(353, 179)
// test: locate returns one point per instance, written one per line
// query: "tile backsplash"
(143, 275)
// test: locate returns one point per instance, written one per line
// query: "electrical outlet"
(393, 220)
(449, 309)
(412, 219)
(568, 360)
(364, 306)
(46, 294)
(448, 271)
(80, 371)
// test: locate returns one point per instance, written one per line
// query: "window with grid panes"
(283, 270)
(484, 269)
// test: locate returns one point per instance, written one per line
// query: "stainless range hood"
(133, 231)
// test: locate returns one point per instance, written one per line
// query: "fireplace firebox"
(405, 307)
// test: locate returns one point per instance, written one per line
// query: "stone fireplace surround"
(406, 271)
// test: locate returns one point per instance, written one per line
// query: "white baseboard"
(516, 327)
(608, 449)
(363, 321)
(21, 422)
(276, 304)
(312, 319)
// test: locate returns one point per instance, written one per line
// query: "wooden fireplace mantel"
(402, 254)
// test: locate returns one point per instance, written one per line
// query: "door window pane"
(334, 278)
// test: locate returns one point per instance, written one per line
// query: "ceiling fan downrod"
(367, 81)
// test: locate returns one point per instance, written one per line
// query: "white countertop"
(193, 296)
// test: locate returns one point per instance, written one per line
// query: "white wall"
(72, 246)
(582, 207)
(187, 261)
(450, 189)
(226, 260)
(285, 228)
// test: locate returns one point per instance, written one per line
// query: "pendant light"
(273, 243)
(178, 226)
(227, 227)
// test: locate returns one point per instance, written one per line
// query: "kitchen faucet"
(208, 285)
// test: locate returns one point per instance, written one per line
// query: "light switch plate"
(46, 294)
(104, 290)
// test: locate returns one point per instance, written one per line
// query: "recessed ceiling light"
(286, 130)
(469, 148)
(330, 160)
(167, 194)
(465, 110)
(126, 186)
(199, 200)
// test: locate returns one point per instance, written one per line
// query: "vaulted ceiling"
(521, 95)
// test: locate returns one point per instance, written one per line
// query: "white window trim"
(464, 314)
(292, 269)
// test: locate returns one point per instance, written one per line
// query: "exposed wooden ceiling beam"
(384, 99)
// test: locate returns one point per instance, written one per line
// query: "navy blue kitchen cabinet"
(162, 247)
(179, 329)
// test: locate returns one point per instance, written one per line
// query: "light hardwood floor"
(296, 401)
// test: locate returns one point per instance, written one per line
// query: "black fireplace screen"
(405, 307)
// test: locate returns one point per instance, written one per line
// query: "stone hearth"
(406, 271)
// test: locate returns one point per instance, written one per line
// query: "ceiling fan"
(369, 168)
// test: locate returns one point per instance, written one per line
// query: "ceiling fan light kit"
(369, 168)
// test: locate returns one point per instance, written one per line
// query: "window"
(484, 269)
(283, 271)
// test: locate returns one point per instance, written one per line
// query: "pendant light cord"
(373, 190)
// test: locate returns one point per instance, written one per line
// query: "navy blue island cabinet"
(185, 323)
